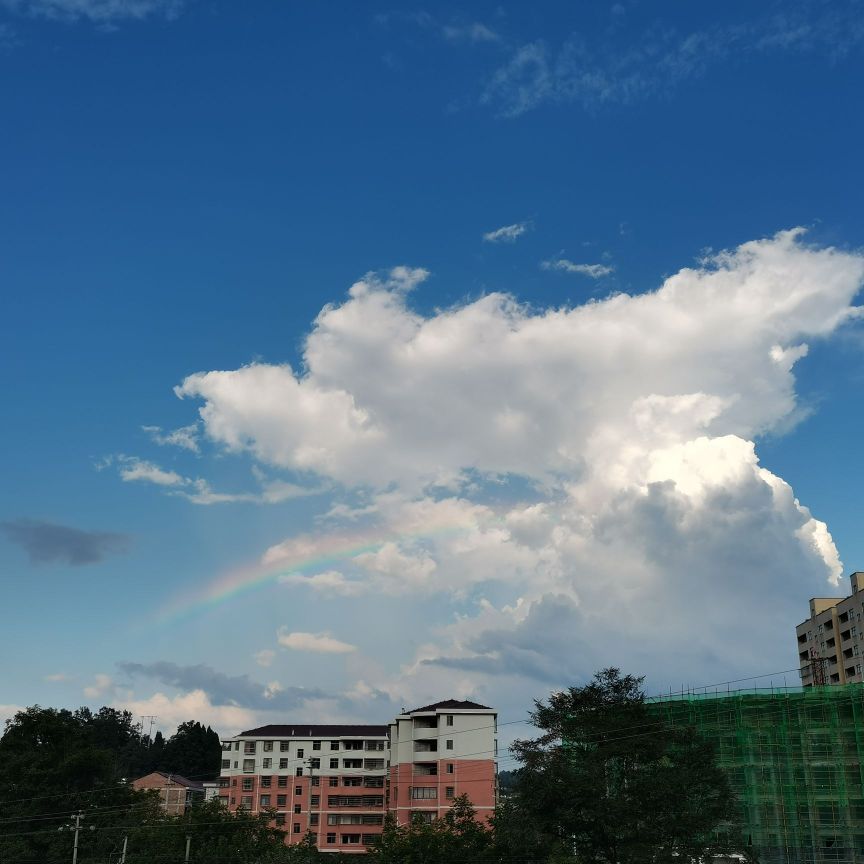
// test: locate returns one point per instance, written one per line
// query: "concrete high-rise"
(830, 647)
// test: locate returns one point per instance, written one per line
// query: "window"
(350, 839)
(314, 763)
(449, 745)
(316, 745)
(267, 763)
(299, 772)
(266, 781)
(265, 800)
(352, 763)
(268, 746)
(224, 783)
(449, 719)
(296, 828)
(331, 836)
(299, 752)
(248, 766)
(247, 784)
(283, 746)
(281, 800)
(315, 801)
(315, 781)
(296, 808)
(236, 745)
(246, 801)
(283, 763)
(249, 747)
(448, 792)
(226, 745)
(334, 781)
(280, 818)
(353, 781)
(282, 782)
(423, 792)
(313, 819)
(298, 790)
(334, 763)
(449, 767)
(334, 745)
(234, 781)
(235, 763)
(223, 799)
(226, 763)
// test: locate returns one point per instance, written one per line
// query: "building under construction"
(794, 758)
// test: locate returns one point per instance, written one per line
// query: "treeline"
(604, 782)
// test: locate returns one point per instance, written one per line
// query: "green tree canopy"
(608, 783)
(194, 751)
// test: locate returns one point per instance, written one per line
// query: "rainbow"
(311, 555)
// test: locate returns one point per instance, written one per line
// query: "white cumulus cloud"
(582, 484)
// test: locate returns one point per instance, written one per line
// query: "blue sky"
(436, 490)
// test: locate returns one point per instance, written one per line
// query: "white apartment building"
(338, 781)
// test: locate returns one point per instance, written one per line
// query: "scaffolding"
(794, 758)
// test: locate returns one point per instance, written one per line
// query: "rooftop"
(453, 704)
(308, 730)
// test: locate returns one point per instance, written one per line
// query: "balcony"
(374, 764)
(425, 769)
(426, 745)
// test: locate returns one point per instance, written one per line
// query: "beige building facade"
(831, 640)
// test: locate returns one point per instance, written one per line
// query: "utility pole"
(123, 853)
(188, 845)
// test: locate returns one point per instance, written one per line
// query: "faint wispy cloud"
(186, 437)
(97, 11)
(472, 32)
(47, 542)
(197, 490)
(659, 58)
(507, 233)
(563, 265)
(455, 30)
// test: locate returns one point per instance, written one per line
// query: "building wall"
(343, 804)
(173, 796)
(439, 755)
(833, 638)
(320, 795)
(794, 758)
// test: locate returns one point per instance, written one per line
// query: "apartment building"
(327, 780)
(439, 752)
(337, 782)
(831, 640)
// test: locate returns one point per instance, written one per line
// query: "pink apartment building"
(338, 781)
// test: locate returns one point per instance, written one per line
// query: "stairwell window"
(449, 745)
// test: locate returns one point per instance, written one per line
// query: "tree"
(54, 763)
(609, 783)
(457, 838)
(194, 751)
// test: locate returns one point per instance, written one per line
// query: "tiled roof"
(307, 730)
(455, 704)
(180, 780)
